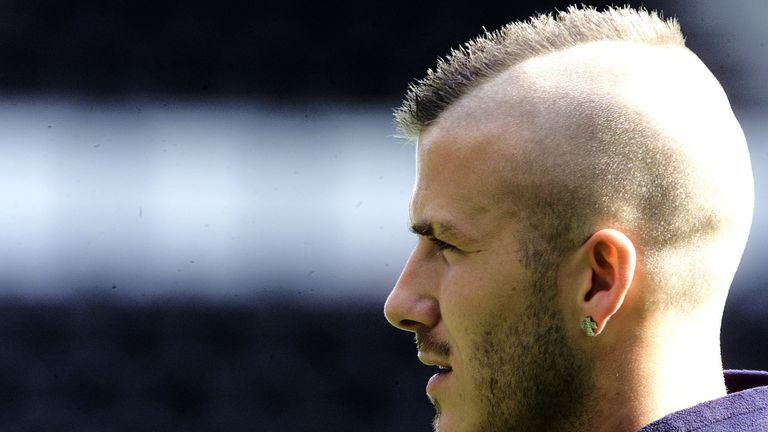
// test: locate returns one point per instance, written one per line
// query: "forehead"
(460, 177)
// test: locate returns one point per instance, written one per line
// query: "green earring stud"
(589, 325)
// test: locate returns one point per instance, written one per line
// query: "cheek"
(478, 290)
(475, 304)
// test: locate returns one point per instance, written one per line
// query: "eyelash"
(443, 246)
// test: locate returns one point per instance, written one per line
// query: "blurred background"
(203, 207)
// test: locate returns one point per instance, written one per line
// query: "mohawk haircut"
(492, 53)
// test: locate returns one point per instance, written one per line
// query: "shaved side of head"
(634, 137)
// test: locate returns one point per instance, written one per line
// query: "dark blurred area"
(343, 49)
(271, 365)
(292, 49)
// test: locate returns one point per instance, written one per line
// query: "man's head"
(582, 164)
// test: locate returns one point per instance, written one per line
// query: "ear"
(603, 267)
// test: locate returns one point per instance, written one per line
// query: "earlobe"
(611, 258)
(589, 325)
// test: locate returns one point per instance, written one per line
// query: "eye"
(443, 246)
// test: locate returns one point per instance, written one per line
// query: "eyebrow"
(427, 229)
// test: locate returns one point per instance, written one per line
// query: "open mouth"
(441, 364)
(443, 367)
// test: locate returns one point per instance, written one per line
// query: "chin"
(438, 423)
(450, 422)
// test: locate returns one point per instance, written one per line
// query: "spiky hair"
(492, 53)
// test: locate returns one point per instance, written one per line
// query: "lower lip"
(436, 380)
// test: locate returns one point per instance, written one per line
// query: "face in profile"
(489, 325)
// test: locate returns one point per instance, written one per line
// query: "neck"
(658, 375)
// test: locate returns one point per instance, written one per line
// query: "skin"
(511, 333)
(455, 296)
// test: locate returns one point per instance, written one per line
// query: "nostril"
(410, 324)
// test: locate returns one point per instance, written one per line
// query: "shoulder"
(744, 409)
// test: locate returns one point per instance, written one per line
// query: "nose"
(412, 305)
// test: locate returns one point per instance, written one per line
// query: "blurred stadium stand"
(343, 49)
(272, 366)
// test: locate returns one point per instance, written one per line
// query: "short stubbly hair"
(492, 53)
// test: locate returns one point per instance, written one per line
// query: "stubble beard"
(528, 375)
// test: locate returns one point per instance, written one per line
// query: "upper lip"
(431, 360)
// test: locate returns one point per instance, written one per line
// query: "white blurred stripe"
(216, 200)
